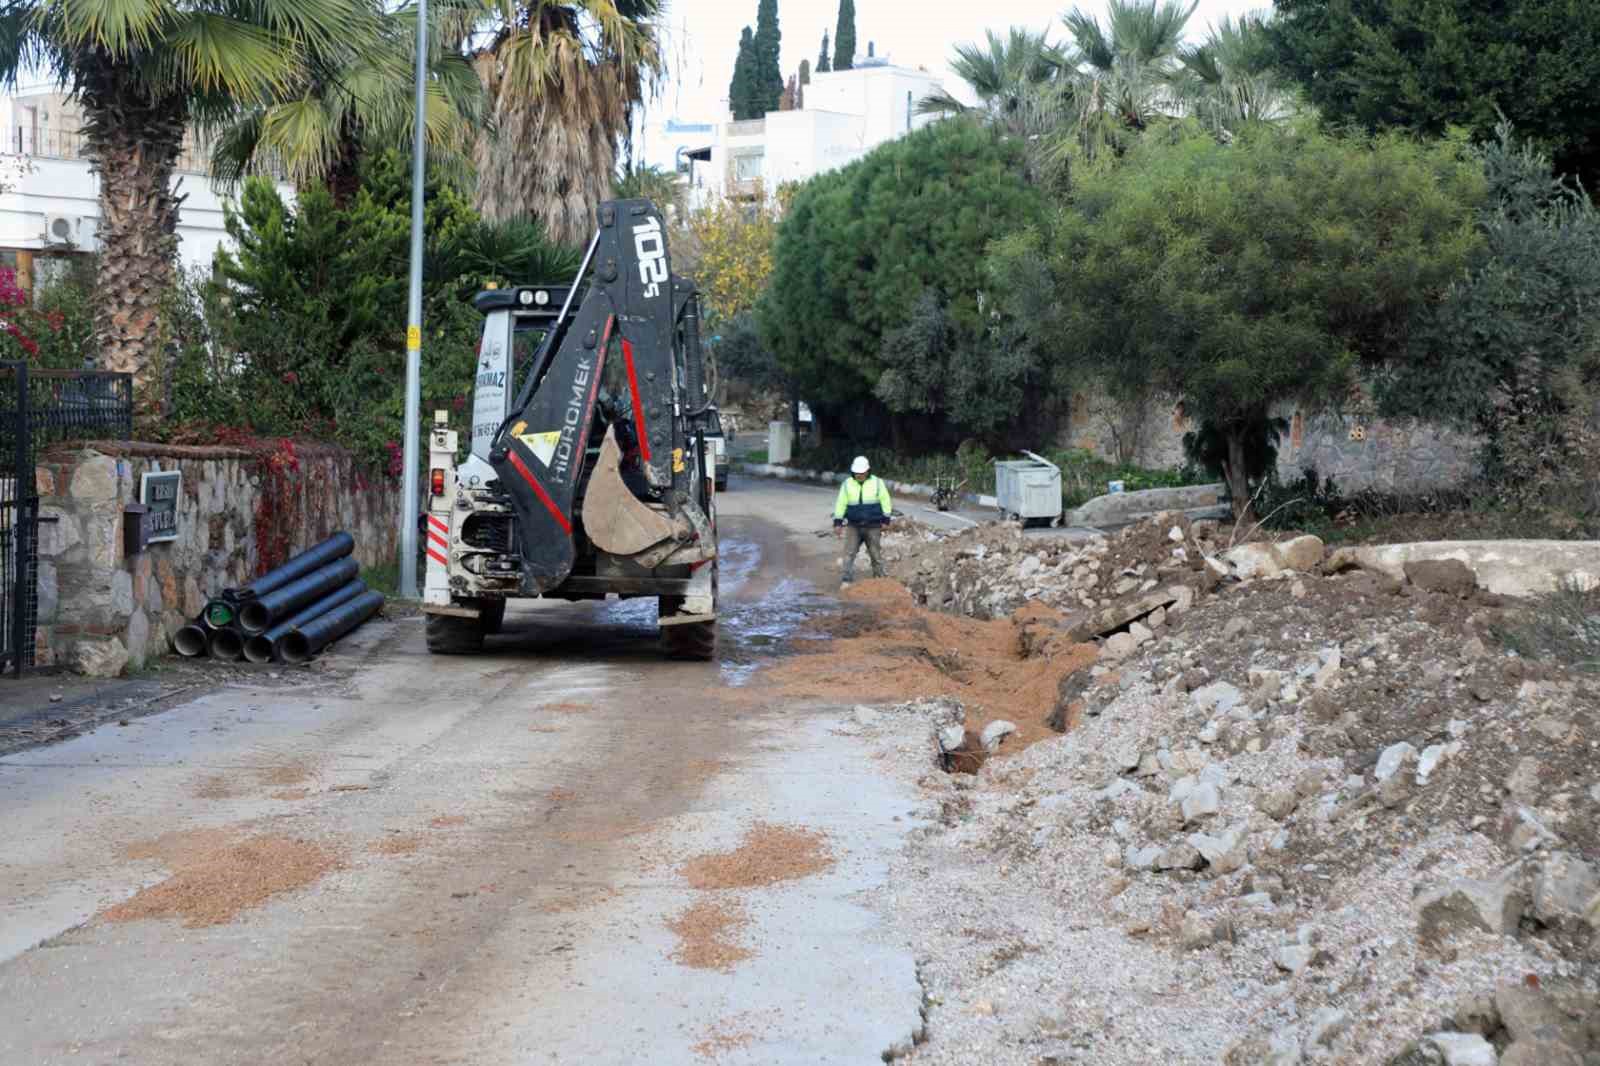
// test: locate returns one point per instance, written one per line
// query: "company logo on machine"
(652, 251)
(542, 445)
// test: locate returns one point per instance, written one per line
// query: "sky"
(703, 38)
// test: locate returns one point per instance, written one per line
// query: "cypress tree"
(741, 91)
(825, 60)
(844, 38)
(768, 75)
(805, 79)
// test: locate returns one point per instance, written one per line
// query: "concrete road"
(509, 831)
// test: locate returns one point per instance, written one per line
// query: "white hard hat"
(860, 466)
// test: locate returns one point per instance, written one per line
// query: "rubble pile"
(1308, 818)
(992, 570)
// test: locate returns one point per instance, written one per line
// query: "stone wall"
(100, 610)
(1357, 449)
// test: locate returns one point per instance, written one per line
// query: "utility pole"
(408, 521)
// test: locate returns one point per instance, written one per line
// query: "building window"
(747, 168)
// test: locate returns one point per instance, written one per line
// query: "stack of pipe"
(287, 614)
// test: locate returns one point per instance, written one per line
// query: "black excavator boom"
(632, 310)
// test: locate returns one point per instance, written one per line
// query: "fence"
(39, 408)
(69, 144)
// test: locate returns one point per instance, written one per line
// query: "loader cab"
(515, 322)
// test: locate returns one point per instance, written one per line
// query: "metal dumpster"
(1029, 489)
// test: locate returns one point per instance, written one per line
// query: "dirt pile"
(1314, 818)
(217, 876)
(708, 935)
(767, 855)
(885, 647)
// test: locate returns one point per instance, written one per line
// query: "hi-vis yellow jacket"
(862, 503)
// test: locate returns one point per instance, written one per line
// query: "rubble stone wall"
(1358, 450)
(100, 610)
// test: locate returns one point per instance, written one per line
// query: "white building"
(52, 209)
(846, 114)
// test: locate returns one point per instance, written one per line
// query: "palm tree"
(563, 82)
(321, 125)
(665, 188)
(1015, 79)
(1124, 72)
(1231, 80)
(143, 72)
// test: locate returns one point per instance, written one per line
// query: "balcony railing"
(71, 145)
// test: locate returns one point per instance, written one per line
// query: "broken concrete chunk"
(1180, 856)
(1441, 575)
(950, 737)
(1394, 759)
(1141, 634)
(1563, 889)
(1429, 761)
(1540, 1051)
(1278, 804)
(1218, 696)
(1492, 906)
(1464, 1049)
(994, 733)
(1118, 615)
(1259, 560)
(1528, 1013)
(1118, 646)
(1293, 958)
(1204, 800)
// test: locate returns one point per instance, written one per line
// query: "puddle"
(762, 610)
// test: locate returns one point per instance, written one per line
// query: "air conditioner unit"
(70, 230)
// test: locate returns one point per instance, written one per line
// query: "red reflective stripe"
(436, 557)
(538, 490)
(440, 523)
(445, 544)
(638, 409)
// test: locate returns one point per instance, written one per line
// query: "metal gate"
(39, 408)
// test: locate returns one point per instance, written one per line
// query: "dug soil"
(883, 646)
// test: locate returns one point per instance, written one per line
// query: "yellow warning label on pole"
(413, 338)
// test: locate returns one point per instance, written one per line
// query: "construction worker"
(863, 509)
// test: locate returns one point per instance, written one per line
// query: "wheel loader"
(589, 474)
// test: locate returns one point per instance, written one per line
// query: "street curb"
(794, 473)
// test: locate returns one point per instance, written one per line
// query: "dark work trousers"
(854, 538)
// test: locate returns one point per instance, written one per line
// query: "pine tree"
(741, 91)
(844, 38)
(769, 76)
(825, 60)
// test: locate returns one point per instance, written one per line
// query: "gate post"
(22, 591)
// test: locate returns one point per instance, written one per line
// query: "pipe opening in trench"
(294, 648)
(226, 644)
(190, 641)
(254, 618)
(258, 649)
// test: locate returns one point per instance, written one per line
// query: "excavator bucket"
(615, 520)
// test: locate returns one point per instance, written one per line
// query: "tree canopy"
(895, 242)
(1236, 277)
(1425, 66)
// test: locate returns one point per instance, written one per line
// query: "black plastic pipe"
(257, 615)
(259, 648)
(301, 644)
(190, 641)
(226, 644)
(318, 555)
(219, 613)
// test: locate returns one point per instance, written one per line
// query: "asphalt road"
(509, 832)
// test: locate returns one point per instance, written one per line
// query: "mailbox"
(135, 528)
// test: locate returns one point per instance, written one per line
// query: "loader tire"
(448, 635)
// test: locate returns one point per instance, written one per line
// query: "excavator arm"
(634, 310)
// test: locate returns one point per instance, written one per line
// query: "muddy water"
(771, 593)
